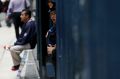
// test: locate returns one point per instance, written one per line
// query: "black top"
(51, 38)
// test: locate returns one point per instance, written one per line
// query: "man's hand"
(50, 48)
(7, 46)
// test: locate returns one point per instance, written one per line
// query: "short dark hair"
(27, 12)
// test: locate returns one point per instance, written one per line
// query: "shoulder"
(31, 23)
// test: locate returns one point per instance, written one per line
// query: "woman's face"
(50, 4)
(53, 17)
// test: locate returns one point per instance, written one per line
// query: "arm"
(10, 9)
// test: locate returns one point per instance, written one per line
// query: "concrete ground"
(7, 36)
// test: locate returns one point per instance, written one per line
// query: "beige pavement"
(7, 36)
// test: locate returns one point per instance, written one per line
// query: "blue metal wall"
(88, 38)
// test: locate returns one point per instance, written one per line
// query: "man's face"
(23, 16)
(53, 17)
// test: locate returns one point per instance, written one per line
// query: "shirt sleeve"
(10, 7)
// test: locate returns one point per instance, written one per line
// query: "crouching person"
(51, 47)
(26, 40)
(51, 34)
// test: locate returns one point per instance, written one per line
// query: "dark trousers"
(17, 22)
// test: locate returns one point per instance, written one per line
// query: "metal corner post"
(39, 45)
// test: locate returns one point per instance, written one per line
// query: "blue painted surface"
(88, 39)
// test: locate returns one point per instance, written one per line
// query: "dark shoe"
(14, 68)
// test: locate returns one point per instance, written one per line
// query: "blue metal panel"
(72, 15)
(113, 39)
(97, 41)
(88, 39)
(105, 40)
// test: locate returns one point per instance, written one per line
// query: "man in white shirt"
(14, 10)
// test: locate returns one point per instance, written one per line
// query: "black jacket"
(51, 38)
(28, 34)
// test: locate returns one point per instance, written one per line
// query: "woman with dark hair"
(51, 5)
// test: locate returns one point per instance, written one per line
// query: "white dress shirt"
(17, 6)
